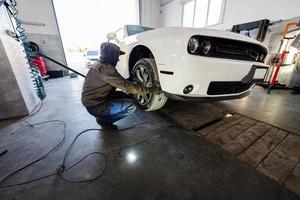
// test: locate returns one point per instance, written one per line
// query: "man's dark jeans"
(117, 106)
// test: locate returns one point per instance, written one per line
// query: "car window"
(135, 29)
(92, 53)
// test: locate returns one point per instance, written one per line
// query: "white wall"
(150, 13)
(237, 11)
(39, 11)
(17, 95)
(241, 11)
(48, 36)
(171, 13)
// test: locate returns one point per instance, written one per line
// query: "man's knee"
(130, 105)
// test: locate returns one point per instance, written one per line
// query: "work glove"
(155, 90)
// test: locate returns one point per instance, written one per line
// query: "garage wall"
(171, 13)
(150, 13)
(290, 73)
(17, 95)
(241, 11)
(41, 27)
(236, 11)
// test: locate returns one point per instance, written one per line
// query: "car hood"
(189, 32)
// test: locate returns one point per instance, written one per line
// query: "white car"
(91, 57)
(189, 63)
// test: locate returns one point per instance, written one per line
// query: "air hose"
(36, 52)
(20, 34)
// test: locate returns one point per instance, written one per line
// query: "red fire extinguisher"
(40, 63)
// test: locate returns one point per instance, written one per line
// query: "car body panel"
(169, 48)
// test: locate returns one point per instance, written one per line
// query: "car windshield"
(135, 29)
(92, 53)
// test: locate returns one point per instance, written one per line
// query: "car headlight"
(206, 47)
(262, 57)
(202, 47)
(193, 45)
(254, 55)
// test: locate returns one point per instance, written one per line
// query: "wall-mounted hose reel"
(21, 36)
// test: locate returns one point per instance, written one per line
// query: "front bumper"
(200, 72)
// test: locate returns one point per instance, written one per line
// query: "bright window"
(202, 13)
(215, 9)
(188, 14)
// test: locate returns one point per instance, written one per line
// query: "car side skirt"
(205, 99)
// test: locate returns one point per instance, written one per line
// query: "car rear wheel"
(145, 73)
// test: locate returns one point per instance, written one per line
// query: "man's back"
(95, 88)
(101, 80)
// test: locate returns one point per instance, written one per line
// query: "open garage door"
(84, 26)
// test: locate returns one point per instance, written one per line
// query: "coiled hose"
(20, 33)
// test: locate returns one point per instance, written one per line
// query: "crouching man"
(99, 95)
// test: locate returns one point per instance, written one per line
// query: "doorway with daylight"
(83, 26)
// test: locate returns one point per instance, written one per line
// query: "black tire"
(145, 72)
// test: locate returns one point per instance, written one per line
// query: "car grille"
(219, 88)
(233, 49)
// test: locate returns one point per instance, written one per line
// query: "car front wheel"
(145, 73)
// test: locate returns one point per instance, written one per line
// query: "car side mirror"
(112, 36)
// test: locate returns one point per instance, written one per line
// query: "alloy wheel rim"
(142, 76)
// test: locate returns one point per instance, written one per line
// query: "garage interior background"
(42, 28)
(261, 130)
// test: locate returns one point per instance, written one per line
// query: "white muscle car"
(189, 63)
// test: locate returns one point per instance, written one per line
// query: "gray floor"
(279, 108)
(170, 165)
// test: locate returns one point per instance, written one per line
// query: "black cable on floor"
(37, 160)
(30, 115)
(35, 112)
(62, 168)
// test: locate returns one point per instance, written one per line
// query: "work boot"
(106, 126)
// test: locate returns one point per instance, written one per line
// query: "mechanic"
(99, 94)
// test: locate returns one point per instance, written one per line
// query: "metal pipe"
(62, 65)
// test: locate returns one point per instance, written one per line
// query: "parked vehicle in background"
(91, 57)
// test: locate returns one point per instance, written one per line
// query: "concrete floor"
(172, 164)
(268, 149)
(279, 108)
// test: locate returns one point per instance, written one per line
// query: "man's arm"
(113, 77)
